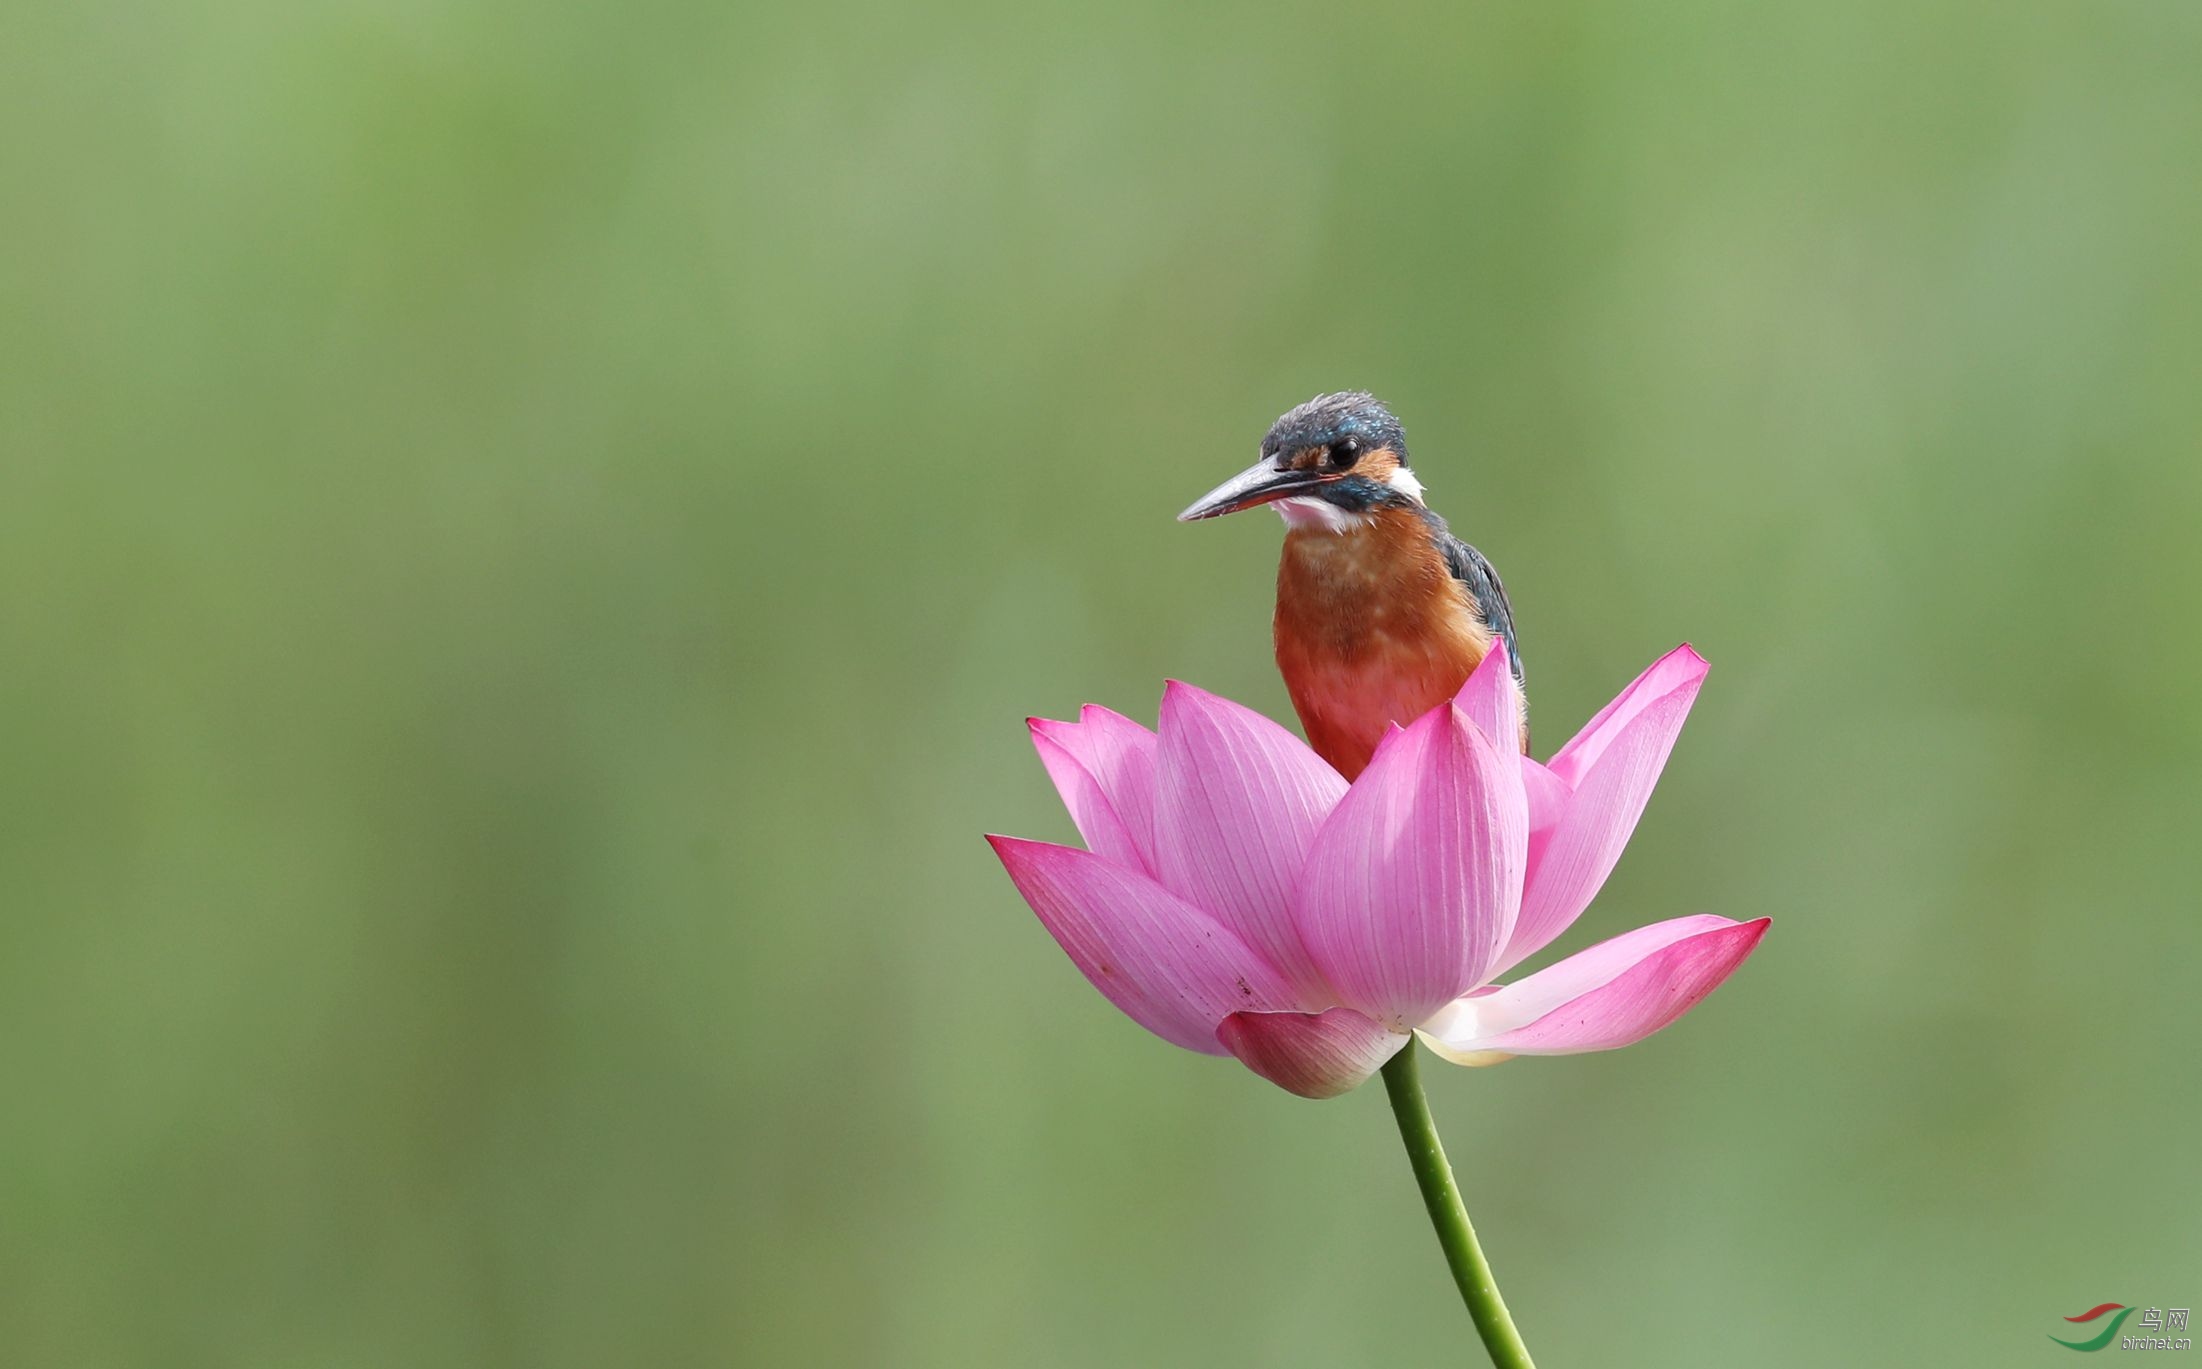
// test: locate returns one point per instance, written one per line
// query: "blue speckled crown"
(1331, 418)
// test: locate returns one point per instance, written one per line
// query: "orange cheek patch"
(1378, 465)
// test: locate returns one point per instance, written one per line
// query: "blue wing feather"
(1484, 588)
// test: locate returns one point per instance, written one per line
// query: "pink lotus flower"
(1238, 897)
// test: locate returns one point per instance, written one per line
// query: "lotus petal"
(1614, 994)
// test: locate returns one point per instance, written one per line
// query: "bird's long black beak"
(1259, 483)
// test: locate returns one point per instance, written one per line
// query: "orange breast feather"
(1371, 629)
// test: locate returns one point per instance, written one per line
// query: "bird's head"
(1325, 464)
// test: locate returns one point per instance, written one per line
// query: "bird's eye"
(1343, 454)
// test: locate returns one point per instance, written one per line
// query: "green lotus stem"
(1441, 1195)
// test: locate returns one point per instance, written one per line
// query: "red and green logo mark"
(2109, 1333)
(2148, 1331)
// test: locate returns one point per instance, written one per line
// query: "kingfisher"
(1382, 613)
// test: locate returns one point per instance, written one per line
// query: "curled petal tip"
(1688, 660)
(1182, 694)
(1491, 700)
(1469, 722)
(1178, 696)
(1051, 729)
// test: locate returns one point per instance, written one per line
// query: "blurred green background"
(527, 536)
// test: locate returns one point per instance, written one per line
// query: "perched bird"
(1381, 612)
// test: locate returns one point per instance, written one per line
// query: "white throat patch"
(1304, 512)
